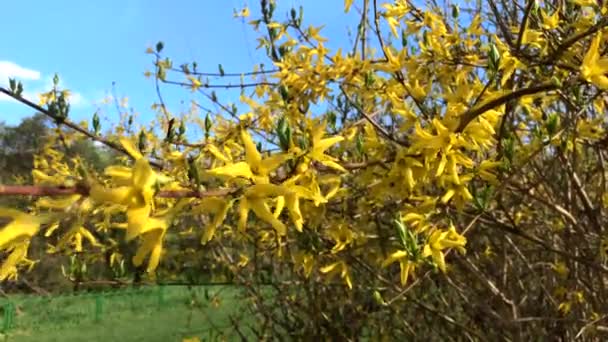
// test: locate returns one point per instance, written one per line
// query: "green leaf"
(159, 46)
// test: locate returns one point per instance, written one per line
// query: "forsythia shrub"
(368, 168)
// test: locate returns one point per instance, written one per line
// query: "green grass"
(129, 315)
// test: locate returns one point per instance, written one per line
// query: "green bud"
(284, 93)
(401, 231)
(142, 141)
(185, 68)
(293, 14)
(283, 132)
(96, 124)
(331, 119)
(493, 58)
(455, 11)
(193, 174)
(378, 298)
(556, 81)
(182, 129)
(159, 46)
(359, 144)
(208, 123)
(552, 123)
(221, 69)
(170, 131)
(369, 79)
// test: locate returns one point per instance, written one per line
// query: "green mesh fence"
(160, 313)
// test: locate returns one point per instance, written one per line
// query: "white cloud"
(34, 84)
(77, 100)
(13, 70)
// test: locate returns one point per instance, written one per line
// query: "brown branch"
(470, 115)
(68, 123)
(524, 22)
(226, 74)
(81, 189)
(370, 119)
(603, 22)
(222, 86)
(39, 191)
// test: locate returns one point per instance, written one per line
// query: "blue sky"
(91, 44)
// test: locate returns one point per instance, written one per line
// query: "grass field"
(129, 315)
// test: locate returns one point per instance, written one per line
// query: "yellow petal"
(216, 153)
(448, 195)
(137, 218)
(41, 177)
(143, 175)
(128, 145)
(333, 165)
(121, 174)
(57, 203)
(398, 255)
(87, 235)
(51, 229)
(329, 268)
(278, 208)
(441, 165)
(23, 227)
(120, 195)
(9, 266)
(405, 270)
(266, 190)
(208, 205)
(240, 169)
(293, 205)
(155, 256)
(218, 219)
(149, 242)
(273, 162)
(324, 144)
(261, 210)
(439, 260)
(252, 155)
(243, 213)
